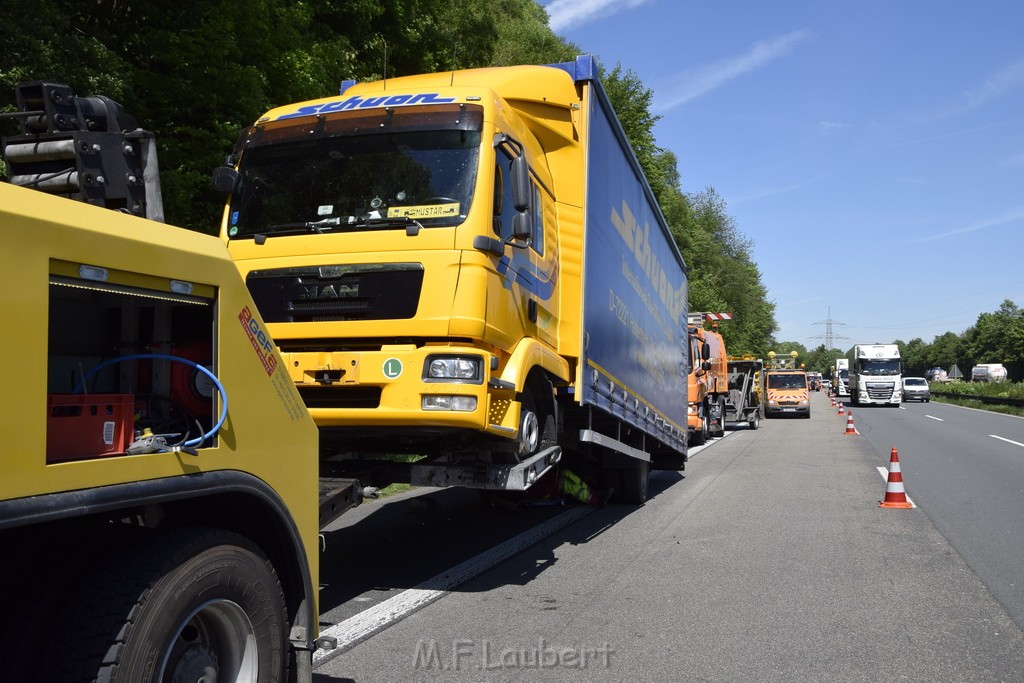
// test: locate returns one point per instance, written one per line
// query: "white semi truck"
(840, 377)
(875, 375)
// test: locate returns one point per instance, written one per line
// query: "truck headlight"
(466, 369)
(802, 403)
(466, 404)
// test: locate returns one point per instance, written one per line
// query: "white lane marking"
(369, 622)
(884, 471)
(932, 417)
(1015, 443)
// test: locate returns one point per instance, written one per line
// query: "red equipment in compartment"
(83, 426)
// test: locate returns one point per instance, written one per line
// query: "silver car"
(916, 389)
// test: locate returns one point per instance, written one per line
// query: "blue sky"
(873, 151)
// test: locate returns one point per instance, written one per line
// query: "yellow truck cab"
(469, 267)
(786, 387)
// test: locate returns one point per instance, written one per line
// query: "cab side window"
(504, 204)
(504, 209)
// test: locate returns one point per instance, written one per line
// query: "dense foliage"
(196, 73)
(996, 337)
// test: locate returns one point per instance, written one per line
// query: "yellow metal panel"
(267, 434)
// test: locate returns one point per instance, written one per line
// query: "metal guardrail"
(992, 400)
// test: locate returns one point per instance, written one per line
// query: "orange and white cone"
(849, 424)
(895, 495)
(842, 411)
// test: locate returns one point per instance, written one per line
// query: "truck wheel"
(536, 427)
(634, 483)
(188, 604)
(699, 436)
(719, 414)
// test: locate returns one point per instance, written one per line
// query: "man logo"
(317, 292)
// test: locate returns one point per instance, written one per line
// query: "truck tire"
(536, 426)
(634, 483)
(185, 604)
(719, 413)
(699, 436)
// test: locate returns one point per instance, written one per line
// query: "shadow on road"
(396, 544)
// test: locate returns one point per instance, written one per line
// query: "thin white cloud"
(829, 127)
(771, 192)
(1011, 217)
(565, 13)
(692, 84)
(1009, 78)
(1013, 160)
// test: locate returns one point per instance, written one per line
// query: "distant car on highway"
(916, 389)
(935, 374)
(826, 384)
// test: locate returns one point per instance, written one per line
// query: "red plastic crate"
(83, 426)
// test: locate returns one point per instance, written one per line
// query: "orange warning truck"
(786, 387)
(708, 381)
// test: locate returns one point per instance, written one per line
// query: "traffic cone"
(842, 411)
(895, 495)
(849, 424)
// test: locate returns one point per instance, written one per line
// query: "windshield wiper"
(412, 226)
(311, 226)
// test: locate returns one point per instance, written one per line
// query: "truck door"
(531, 270)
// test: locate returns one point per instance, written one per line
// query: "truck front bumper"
(398, 386)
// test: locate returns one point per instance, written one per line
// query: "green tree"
(913, 356)
(524, 36)
(723, 275)
(822, 360)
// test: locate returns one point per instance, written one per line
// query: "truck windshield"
(787, 381)
(880, 367)
(315, 182)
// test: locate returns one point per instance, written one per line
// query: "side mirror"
(705, 352)
(521, 190)
(706, 365)
(522, 226)
(225, 179)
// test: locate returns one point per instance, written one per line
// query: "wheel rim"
(216, 642)
(529, 432)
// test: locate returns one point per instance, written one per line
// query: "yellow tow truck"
(158, 497)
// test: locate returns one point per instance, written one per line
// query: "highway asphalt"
(769, 559)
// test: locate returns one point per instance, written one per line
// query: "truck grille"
(388, 291)
(880, 392)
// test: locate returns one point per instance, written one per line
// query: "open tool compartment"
(123, 362)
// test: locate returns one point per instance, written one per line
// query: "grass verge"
(968, 403)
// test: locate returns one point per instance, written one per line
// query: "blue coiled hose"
(191, 443)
